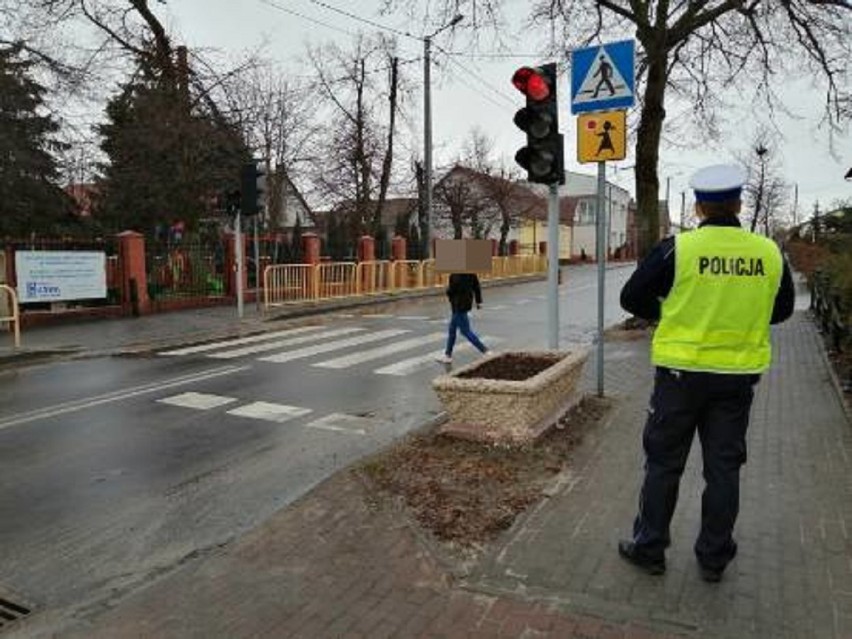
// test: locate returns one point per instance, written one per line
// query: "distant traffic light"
(252, 189)
(542, 157)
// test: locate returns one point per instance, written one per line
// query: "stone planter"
(503, 411)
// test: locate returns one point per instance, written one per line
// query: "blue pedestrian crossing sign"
(602, 77)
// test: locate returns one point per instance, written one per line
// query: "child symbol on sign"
(606, 140)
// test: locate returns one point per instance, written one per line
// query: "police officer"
(715, 291)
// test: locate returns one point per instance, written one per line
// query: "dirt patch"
(514, 367)
(465, 493)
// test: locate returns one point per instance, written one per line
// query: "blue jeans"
(460, 322)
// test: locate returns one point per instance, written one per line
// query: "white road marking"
(278, 413)
(522, 302)
(408, 366)
(116, 396)
(198, 401)
(377, 353)
(236, 342)
(278, 344)
(342, 423)
(377, 315)
(332, 346)
(413, 318)
(499, 307)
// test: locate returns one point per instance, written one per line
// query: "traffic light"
(252, 189)
(542, 157)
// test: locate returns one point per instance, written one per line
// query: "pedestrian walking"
(462, 290)
(715, 291)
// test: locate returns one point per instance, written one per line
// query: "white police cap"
(718, 183)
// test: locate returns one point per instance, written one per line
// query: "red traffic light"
(532, 83)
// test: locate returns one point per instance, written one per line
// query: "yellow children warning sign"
(602, 136)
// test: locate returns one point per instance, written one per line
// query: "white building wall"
(615, 208)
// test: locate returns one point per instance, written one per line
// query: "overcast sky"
(489, 100)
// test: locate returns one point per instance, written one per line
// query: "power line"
(364, 20)
(304, 17)
(483, 82)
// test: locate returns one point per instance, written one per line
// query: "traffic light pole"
(600, 253)
(238, 238)
(553, 267)
(427, 140)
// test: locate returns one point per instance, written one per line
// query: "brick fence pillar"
(542, 248)
(310, 248)
(366, 249)
(134, 285)
(514, 247)
(495, 247)
(399, 248)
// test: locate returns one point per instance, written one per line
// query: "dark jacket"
(643, 293)
(462, 289)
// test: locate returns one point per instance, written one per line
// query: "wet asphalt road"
(114, 470)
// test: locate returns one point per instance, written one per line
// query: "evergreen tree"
(30, 198)
(167, 159)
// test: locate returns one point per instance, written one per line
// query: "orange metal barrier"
(293, 283)
(375, 277)
(407, 274)
(337, 279)
(288, 283)
(15, 318)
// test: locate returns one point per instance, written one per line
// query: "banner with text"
(57, 276)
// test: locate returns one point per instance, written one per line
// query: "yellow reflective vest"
(716, 316)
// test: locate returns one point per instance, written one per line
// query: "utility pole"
(427, 126)
(682, 210)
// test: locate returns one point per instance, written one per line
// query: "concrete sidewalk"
(336, 564)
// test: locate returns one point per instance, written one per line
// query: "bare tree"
(356, 170)
(697, 48)
(459, 204)
(765, 191)
(278, 125)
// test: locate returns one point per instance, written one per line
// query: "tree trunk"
(647, 157)
(386, 165)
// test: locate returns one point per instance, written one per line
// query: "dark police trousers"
(718, 407)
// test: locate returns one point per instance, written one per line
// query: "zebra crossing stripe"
(318, 349)
(407, 366)
(268, 411)
(413, 318)
(376, 353)
(341, 423)
(271, 346)
(198, 401)
(236, 342)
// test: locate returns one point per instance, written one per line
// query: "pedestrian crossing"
(394, 352)
(274, 413)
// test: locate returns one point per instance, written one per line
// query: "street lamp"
(427, 125)
(849, 175)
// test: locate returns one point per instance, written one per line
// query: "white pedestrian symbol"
(603, 81)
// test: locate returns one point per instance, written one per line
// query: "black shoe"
(714, 575)
(711, 575)
(627, 549)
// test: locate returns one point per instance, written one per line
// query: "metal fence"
(827, 305)
(293, 283)
(185, 269)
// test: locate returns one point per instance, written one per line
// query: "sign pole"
(601, 255)
(238, 238)
(553, 267)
